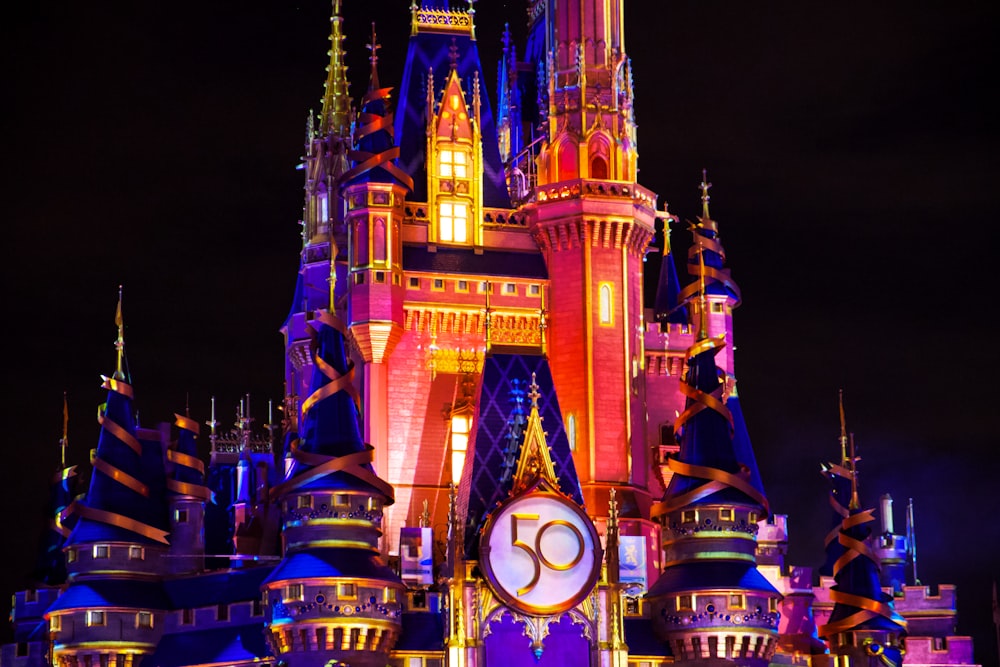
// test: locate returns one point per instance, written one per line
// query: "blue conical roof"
(187, 476)
(125, 501)
(717, 277)
(840, 497)
(860, 603)
(329, 423)
(714, 439)
(667, 307)
(51, 568)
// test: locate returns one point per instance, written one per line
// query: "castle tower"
(332, 599)
(864, 628)
(187, 497)
(113, 609)
(374, 189)
(711, 603)
(593, 224)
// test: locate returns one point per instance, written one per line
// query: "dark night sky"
(852, 147)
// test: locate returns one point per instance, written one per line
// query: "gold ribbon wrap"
(56, 523)
(180, 458)
(322, 464)
(369, 123)
(868, 608)
(712, 274)
(119, 476)
(717, 481)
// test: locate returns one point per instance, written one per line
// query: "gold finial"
(703, 298)
(425, 516)
(120, 342)
(211, 423)
(64, 442)
(373, 46)
(704, 186)
(855, 503)
(533, 392)
(843, 430)
(488, 315)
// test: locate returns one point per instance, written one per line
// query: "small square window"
(304, 502)
(222, 612)
(389, 595)
(55, 623)
(413, 283)
(180, 516)
(102, 551)
(96, 618)
(772, 605)
(438, 285)
(485, 286)
(71, 555)
(726, 514)
(30, 595)
(737, 601)
(374, 505)
(144, 619)
(462, 286)
(752, 517)
(347, 592)
(341, 500)
(380, 276)
(22, 650)
(293, 592)
(257, 609)
(509, 288)
(136, 553)
(397, 279)
(534, 290)
(187, 616)
(718, 307)
(685, 603)
(689, 516)
(359, 278)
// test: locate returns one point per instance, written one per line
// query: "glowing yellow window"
(453, 222)
(453, 164)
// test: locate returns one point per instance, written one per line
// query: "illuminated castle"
(494, 448)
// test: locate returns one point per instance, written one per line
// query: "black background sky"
(853, 151)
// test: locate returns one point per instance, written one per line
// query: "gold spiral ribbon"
(323, 465)
(180, 458)
(712, 274)
(369, 123)
(868, 608)
(56, 523)
(119, 476)
(717, 481)
(701, 400)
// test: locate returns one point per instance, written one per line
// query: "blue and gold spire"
(122, 503)
(708, 249)
(840, 478)
(864, 627)
(51, 568)
(667, 306)
(374, 156)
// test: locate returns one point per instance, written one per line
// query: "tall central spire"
(335, 117)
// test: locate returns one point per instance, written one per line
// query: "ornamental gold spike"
(120, 342)
(335, 114)
(704, 186)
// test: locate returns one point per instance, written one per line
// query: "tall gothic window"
(453, 222)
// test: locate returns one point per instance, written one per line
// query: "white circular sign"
(541, 553)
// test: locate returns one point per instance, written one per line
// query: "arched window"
(571, 432)
(598, 167)
(568, 167)
(379, 239)
(606, 305)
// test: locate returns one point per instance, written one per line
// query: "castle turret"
(711, 603)
(374, 189)
(332, 598)
(864, 628)
(593, 223)
(112, 610)
(188, 495)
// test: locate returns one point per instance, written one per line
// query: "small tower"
(113, 609)
(332, 599)
(864, 629)
(187, 497)
(711, 602)
(374, 189)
